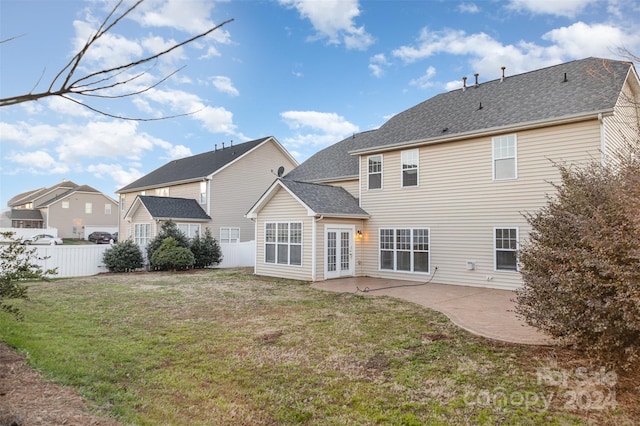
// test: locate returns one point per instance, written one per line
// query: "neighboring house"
(210, 190)
(67, 206)
(439, 191)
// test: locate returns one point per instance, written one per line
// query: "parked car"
(42, 239)
(99, 237)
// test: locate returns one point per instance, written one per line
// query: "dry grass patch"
(225, 347)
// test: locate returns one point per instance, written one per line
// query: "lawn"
(225, 347)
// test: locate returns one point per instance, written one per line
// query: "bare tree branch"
(99, 84)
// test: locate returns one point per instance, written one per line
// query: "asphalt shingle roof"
(326, 199)
(175, 208)
(592, 85)
(194, 167)
(26, 214)
(333, 162)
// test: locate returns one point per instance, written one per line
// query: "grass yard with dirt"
(217, 347)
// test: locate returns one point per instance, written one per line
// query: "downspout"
(314, 241)
(255, 243)
(603, 144)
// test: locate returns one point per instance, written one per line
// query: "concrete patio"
(482, 311)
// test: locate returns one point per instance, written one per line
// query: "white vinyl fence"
(238, 254)
(84, 260)
(72, 261)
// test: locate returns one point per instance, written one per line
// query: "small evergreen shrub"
(206, 250)
(168, 229)
(124, 256)
(171, 256)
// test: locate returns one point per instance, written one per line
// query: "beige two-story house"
(74, 210)
(439, 191)
(210, 190)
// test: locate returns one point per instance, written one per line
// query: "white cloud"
(179, 151)
(581, 40)
(377, 64)
(468, 8)
(116, 173)
(224, 85)
(37, 162)
(214, 119)
(334, 20)
(568, 8)
(322, 128)
(424, 81)
(487, 55)
(110, 50)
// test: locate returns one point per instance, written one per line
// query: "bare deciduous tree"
(100, 84)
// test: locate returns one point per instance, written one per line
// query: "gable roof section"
(81, 188)
(334, 162)
(591, 86)
(318, 199)
(161, 208)
(196, 167)
(31, 196)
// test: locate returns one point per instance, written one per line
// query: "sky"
(308, 72)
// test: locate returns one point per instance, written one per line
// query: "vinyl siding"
(284, 208)
(622, 128)
(322, 225)
(236, 188)
(71, 222)
(351, 186)
(461, 204)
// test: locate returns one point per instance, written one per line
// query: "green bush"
(168, 229)
(581, 264)
(206, 250)
(124, 256)
(171, 256)
(18, 263)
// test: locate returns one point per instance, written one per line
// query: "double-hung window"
(203, 192)
(283, 243)
(409, 168)
(189, 229)
(374, 177)
(404, 249)
(506, 245)
(142, 234)
(107, 208)
(229, 235)
(88, 208)
(505, 157)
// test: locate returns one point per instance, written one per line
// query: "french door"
(339, 251)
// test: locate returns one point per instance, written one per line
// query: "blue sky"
(309, 72)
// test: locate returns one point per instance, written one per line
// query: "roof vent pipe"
(565, 78)
(502, 78)
(464, 83)
(231, 142)
(222, 145)
(216, 147)
(476, 76)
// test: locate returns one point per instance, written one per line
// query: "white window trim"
(395, 251)
(65, 204)
(203, 192)
(381, 172)
(229, 228)
(190, 234)
(495, 249)
(88, 208)
(493, 157)
(137, 238)
(417, 169)
(289, 244)
(107, 208)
